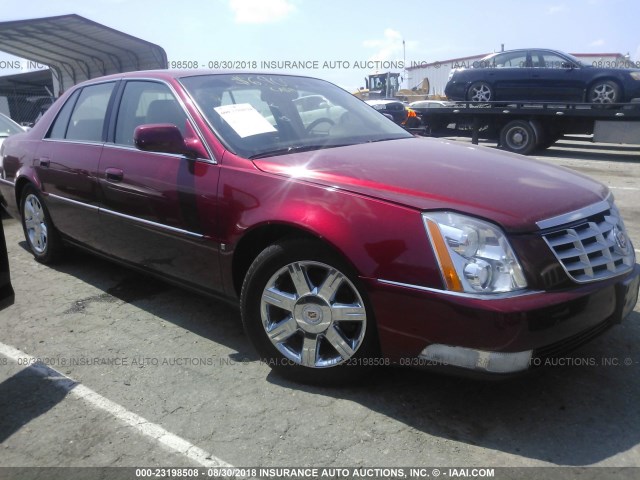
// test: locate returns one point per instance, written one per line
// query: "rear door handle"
(44, 162)
(114, 174)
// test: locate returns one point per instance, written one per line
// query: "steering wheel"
(317, 122)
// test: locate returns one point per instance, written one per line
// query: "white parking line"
(142, 425)
(635, 189)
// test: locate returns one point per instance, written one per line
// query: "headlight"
(474, 256)
(635, 75)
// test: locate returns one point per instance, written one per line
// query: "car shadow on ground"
(23, 398)
(578, 411)
(152, 294)
(575, 147)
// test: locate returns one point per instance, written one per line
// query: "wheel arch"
(604, 78)
(21, 183)
(253, 242)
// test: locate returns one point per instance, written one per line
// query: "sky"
(333, 39)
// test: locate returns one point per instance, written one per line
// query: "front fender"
(379, 239)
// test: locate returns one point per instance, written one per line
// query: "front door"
(556, 78)
(159, 210)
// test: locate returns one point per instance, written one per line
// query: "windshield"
(262, 115)
(8, 127)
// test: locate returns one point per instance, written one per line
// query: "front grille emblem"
(621, 240)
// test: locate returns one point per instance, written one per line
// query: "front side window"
(264, 115)
(549, 60)
(145, 102)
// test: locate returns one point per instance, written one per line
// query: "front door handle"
(114, 174)
(44, 162)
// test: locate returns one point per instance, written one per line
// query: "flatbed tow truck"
(524, 127)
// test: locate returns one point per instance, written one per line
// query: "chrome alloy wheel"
(35, 223)
(603, 93)
(313, 314)
(480, 93)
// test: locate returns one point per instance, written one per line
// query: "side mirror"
(166, 138)
(568, 65)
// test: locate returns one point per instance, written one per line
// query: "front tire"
(306, 314)
(41, 235)
(604, 91)
(480, 92)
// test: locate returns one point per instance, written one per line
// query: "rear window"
(83, 115)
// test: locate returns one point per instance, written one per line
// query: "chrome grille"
(594, 247)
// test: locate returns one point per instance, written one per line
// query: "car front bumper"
(420, 326)
(456, 90)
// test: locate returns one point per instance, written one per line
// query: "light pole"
(404, 63)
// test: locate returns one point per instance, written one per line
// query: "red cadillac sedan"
(348, 242)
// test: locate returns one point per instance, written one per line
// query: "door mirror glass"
(163, 138)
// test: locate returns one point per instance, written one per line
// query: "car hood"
(430, 174)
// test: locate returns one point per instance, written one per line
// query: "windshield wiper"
(295, 149)
(386, 139)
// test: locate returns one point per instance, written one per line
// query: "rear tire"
(306, 314)
(42, 237)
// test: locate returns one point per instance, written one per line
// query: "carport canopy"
(77, 49)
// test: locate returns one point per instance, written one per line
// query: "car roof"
(173, 74)
(491, 55)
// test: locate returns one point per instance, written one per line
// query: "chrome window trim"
(475, 296)
(81, 142)
(575, 215)
(175, 155)
(79, 88)
(128, 217)
(211, 160)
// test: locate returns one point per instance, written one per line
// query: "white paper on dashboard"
(244, 119)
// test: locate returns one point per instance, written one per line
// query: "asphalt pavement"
(135, 372)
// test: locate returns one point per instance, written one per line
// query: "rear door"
(159, 210)
(510, 76)
(67, 162)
